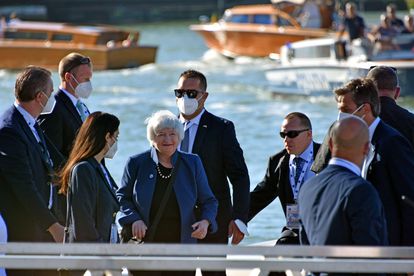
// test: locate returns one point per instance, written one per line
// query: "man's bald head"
(349, 139)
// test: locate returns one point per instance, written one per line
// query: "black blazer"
(392, 174)
(62, 124)
(397, 117)
(24, 178)
(94, 203)
(275, 183)
(222, 157)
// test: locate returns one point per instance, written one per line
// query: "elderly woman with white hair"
(161, 188)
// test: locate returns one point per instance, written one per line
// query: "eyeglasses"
(191, 93)
(375, 66)
(84, 60)
(292, 133)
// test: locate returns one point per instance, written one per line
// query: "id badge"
(292, 216)
(114, 234)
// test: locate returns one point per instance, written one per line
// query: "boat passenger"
(310, 16)
(352, 23)
(87, 183)
(408, 24)
(382, 36)
(161, 188)
(391, 13)
(286, 172)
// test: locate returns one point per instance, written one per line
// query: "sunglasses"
(292, 133)
(375, 66)
(84, 60)
(191, 93)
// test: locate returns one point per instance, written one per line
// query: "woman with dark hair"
(86, 182)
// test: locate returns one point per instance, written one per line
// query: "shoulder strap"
(153, 227)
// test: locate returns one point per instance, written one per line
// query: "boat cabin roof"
(253, 9)
(88, 34)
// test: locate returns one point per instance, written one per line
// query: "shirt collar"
(346, 164)
(26, 115)
(372, 127)
(305, 155)
(73, 99)
(195, 120)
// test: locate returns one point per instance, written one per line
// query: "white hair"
(161, 120)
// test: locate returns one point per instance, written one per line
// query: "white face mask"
(84, 89)
(50, 104)
(343, 115)
(186, 105)
(112, 150)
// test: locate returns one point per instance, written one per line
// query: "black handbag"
(126, 232)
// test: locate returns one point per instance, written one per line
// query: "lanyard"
(301, 179)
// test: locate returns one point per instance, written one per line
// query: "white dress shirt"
(371, 152)
(346, 164)
(192, 127)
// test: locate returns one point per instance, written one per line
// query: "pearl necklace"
(163, 176)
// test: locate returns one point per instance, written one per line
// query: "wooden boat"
(45, 43)
(316, 67)
(258, 30)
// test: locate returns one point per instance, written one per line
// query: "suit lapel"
(107, 185)
(284, 186)
(67, 103)
(26, 129)
(201, 132)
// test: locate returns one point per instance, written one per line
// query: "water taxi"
(25, 43)
(316, 67)
(258, 30)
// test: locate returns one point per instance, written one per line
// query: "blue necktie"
(185, 143)
(299, 166)
(82, 110)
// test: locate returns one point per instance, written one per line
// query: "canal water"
(238, 92)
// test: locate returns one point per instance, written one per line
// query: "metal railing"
(207, 257)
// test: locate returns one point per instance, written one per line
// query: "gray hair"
(161, 120)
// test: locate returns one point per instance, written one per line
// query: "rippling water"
(237, 92)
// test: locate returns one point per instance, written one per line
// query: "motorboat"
(24, 43)
(258, 30)
(316, 67)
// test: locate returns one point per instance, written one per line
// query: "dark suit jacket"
(338, 207)
(397, 117)
(190, 188)
(392, 174)
(62, 124)
(24, 188)
(222, 158)
(94, 203)
(276, 183)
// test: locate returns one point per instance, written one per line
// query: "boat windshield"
(262, 19)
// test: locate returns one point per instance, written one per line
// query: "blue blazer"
(24, 188)
(190, 187)
(338, 207)
(94, 203)
(392, 173)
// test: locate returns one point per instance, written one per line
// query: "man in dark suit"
(283, 175)
(349, 210)
(62, 124)
(26, 193)
(214, 140)
(389, 165)
(386, 80)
